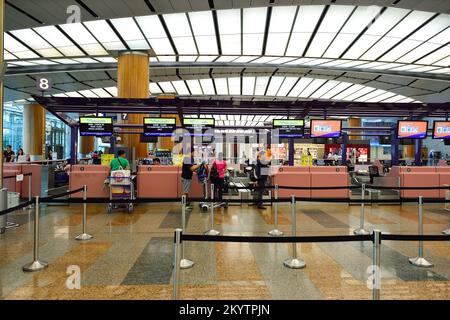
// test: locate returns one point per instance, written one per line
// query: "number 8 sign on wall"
(43, 84)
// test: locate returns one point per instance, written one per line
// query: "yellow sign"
(177, 160)
(106, 159)
(307, 161)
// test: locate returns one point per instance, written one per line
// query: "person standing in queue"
(262, 172)
(8, 154)
(120, 162)
(187, 171)
(218, 169)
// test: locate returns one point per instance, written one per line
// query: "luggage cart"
(121, 188)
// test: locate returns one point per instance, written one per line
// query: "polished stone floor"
(131, 255)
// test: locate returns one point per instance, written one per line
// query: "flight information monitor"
(159, 127)
(441, 130)
(96, 126)
(199, 127)
(326, 128)
(289, 128)
(412, 129)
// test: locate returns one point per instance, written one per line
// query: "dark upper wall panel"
(54, 11)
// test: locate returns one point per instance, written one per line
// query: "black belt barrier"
(46, 199)
(14, 177)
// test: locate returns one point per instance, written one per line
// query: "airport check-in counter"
(293, 177)
(313, 177)
(164, 182)
(411, 176)
(93, 176)
(329, 177)
(39, 179)
(157, 181)
(11, 184)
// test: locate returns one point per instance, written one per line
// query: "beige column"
(86, 144)
(133, 77)
(354, 123)
(34, 130)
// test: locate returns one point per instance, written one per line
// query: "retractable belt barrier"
(42, 200)
(375, 237)
(265, 239)
(56, 198)
(338, 188)
(215, 200)
(15, 177)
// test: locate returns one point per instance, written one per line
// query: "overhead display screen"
(412, 129)
(198, 127)
(326, 128)
(441, 130)
(96, 126)
(289, 128)
(159, 127)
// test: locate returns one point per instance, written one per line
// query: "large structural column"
(34, 130)
(354, 123)
(87, 145)
(133, 77)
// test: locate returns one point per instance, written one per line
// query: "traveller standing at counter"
(8, 154)
(262, 172)
(217, 175)
(21, 157)
(187, 171)
(120, 162)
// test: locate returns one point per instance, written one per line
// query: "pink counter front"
(12, 169)
(157, 181)
(164, 182)
(433, 176)
(93, 176)
(313, 177)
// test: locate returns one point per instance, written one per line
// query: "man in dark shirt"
(8, 154)
(187, 171)
(262, 171)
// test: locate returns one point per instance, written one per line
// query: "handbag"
(121, 176)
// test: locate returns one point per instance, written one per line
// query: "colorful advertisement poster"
(441, 130)
(326, 128)
(412, 129)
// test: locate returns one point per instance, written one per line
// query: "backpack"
(202, 173)
(214, 174)
(253, 174)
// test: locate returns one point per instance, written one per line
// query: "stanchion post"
(84, 236)
(212, 232)
(3, 206)
(275, 232)
(447, 208)
(176, 263)
(376, 268)
(420, 261)
(294, 262)
(184, 263)
(37, 264)
(361, 230)
(29, 192)
(447, 231)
